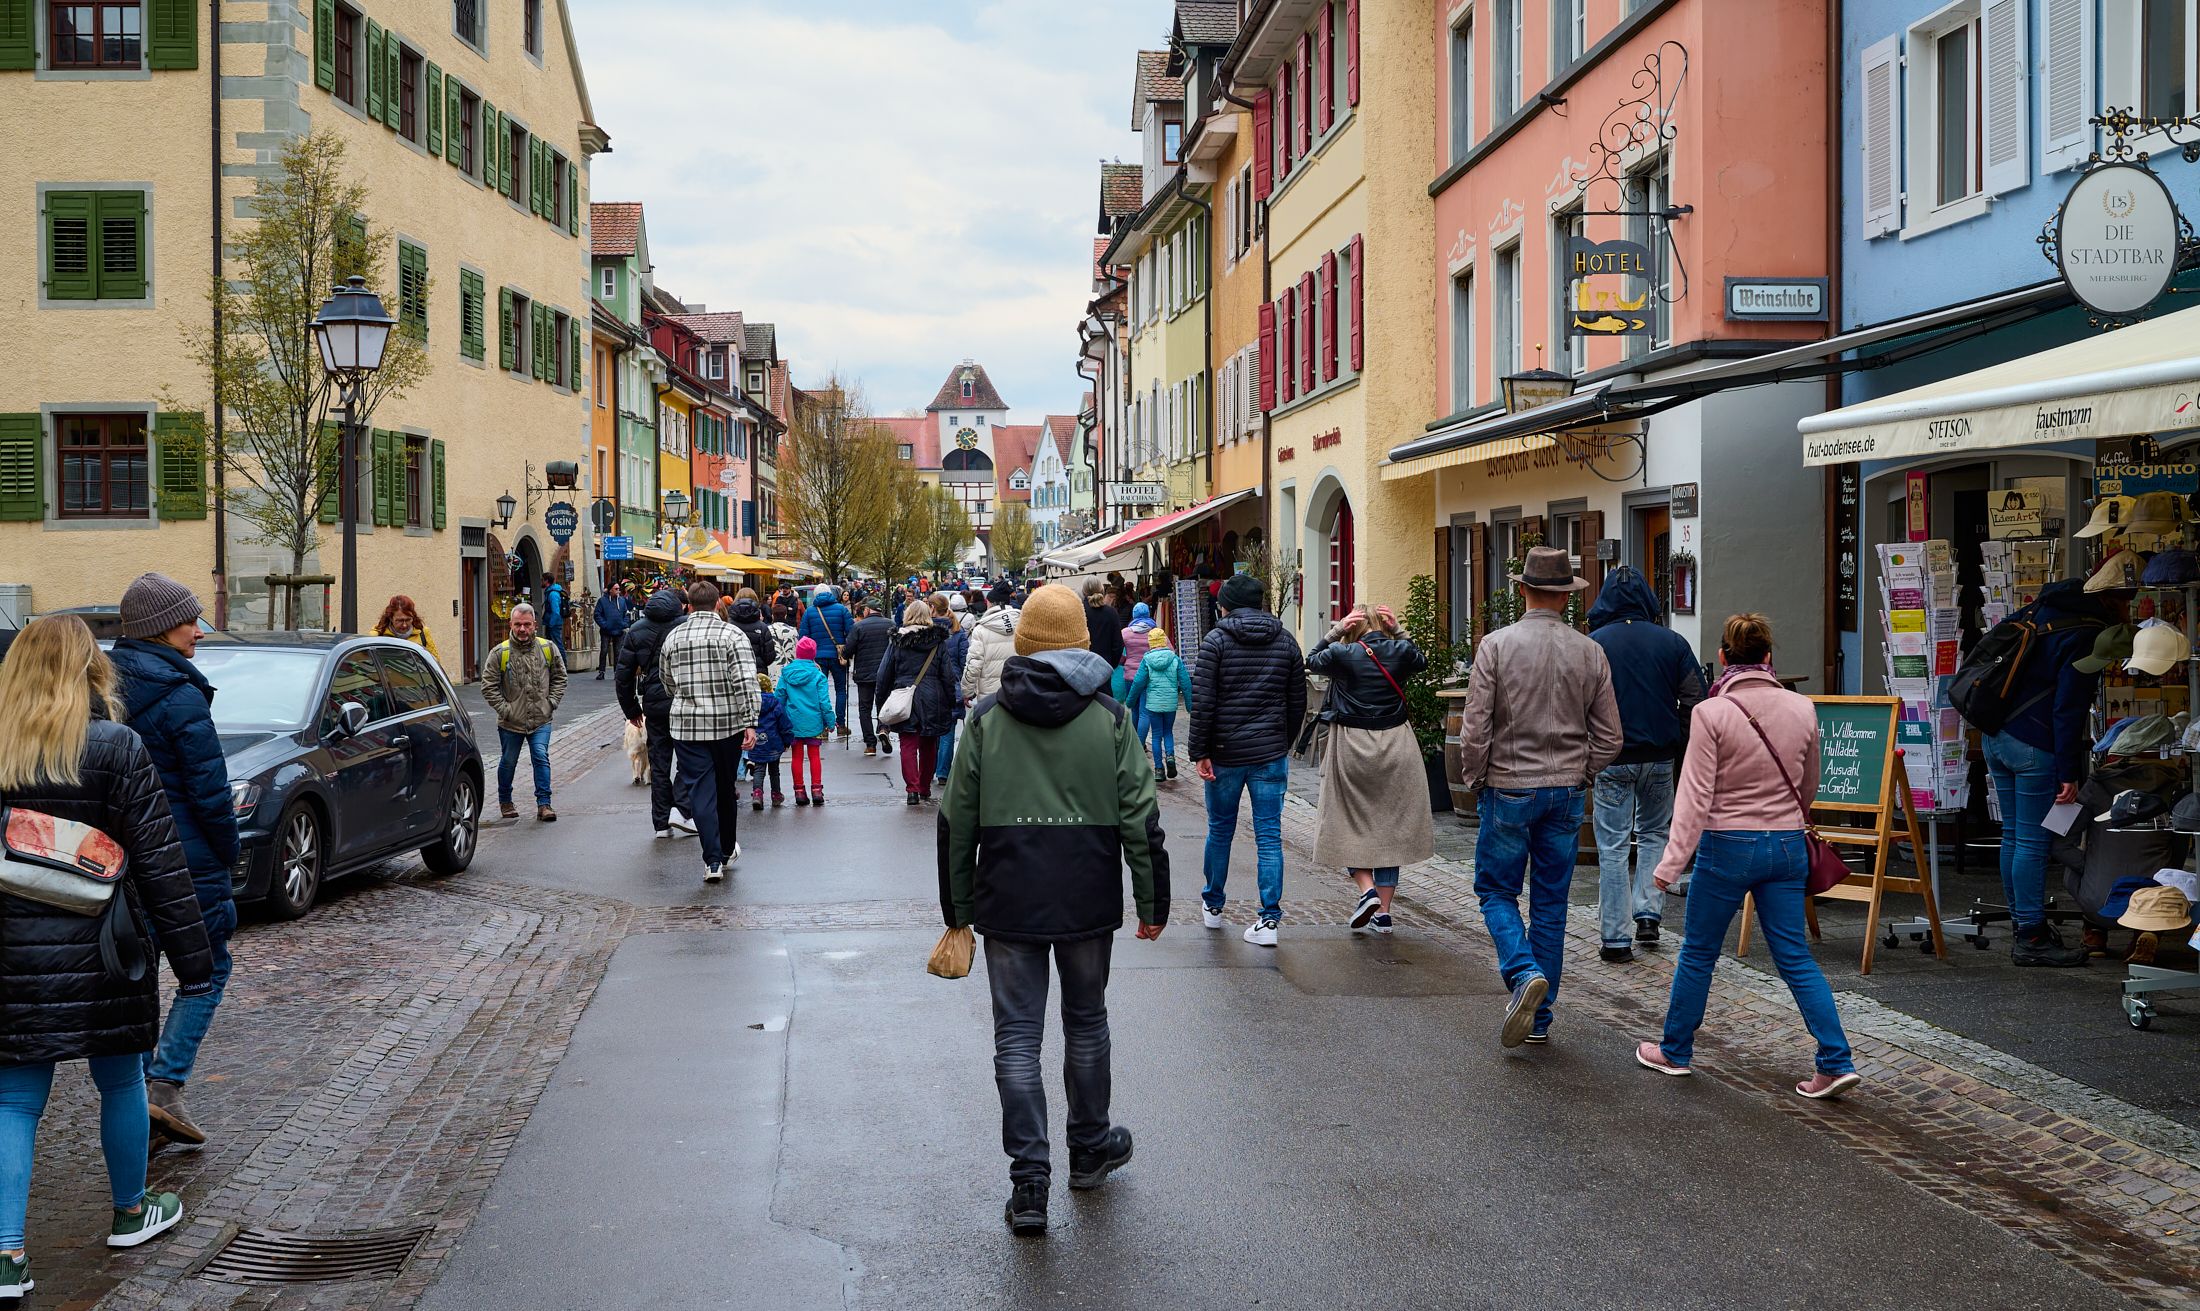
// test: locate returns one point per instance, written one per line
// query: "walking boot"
(756, 799)
(164, 1102)
(801, 796)
(817, 796)
(2043, 946)
(1027, 1209)
(546, 815)
(1172, 766)
(1646, 932)
(507, 810)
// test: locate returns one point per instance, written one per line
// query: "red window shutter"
(1306, 333)
(1359, 302)
(1267, 357)
(1287, 89)
(1352, 57)
(1329, 314)
(1325, 92)
(1263, 144)
(1287, 374)
(1306, 92)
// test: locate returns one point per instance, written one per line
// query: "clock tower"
(968, 410)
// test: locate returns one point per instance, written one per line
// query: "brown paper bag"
(951, 958)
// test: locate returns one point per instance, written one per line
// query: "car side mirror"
(350, 718)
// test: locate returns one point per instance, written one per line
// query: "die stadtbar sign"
(2117, 239)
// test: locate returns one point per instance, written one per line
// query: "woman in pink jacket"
(1752, 747)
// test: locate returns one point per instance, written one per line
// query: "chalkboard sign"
(1856, 740)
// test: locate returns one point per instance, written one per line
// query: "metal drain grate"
(261, 1256)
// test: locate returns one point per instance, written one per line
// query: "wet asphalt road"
(769, 1104)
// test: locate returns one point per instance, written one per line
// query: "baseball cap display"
(2158, 910)
(2107, 740)
(2131, 807)
(2109, 516)
(2157, 647)
(2112, 645)
(2158, 512)
(2152, 733)
(2117, 572)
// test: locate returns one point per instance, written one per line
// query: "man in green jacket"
(523, 680)
(1050, 796)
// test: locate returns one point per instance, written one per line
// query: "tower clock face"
(967, 439)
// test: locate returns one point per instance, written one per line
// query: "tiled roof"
(921, 434)
(760, 342)
(781, 387)
(1206, 22)
(1062, 428)
(982, 397)
(1099, 247)
(1122, 192)
(1015, 446)
(717, 329)
(664, 302)
(1154, 83)
(614, 226)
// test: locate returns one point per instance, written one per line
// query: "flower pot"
(1439, 785)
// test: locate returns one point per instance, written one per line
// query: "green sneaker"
(157, 1216)
(15, 1275)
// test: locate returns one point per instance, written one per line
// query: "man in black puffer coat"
(646, 702)
(746, 615)
(1248, 697)
(866, 646)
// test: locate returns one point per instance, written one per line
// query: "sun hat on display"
(2158, 910)
(2119, 572)
(2109, 516)
(2157, 647)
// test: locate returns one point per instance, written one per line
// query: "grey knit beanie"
(156, 603)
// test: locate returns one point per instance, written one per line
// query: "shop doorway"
(469, 619)
(1654, 552)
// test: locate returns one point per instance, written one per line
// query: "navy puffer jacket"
(937, 703)
(1248, 690)
(639, 691)
(171, 705)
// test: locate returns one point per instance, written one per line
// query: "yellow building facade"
(480, 242)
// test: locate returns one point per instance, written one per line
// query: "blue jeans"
(1728, 866)
(1266, 783)
(538, 750)
(837, 671)
(1385, 876)
(1527, 839)
(190, 1017)
(124, 1132)
(1634, 811)
(947, 755)
(2024, 779)
(1162, 725)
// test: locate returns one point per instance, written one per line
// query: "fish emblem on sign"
(1599, 277)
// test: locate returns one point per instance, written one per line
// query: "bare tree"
(835, 476)
(951, 532)
(280, 448)
(1012, 538)
(893, 551)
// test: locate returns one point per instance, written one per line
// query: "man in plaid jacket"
(709, 669)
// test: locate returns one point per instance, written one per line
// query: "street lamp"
(676, 514)
(506, 508)
(352, 330)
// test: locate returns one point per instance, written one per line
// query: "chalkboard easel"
(1861, 779)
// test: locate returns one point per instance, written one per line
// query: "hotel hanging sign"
(2116, 240)
(1599, 276)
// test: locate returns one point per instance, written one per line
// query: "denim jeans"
(1385, 876)
(1017, 974)
(714, 787)
(190, 1017)
(2024, 779)
(1527, 839)
(1266, 783)
(837, 671)
(944, 754)
(1162, 725)
(124, 1132)
(1634, 812)
(538, 751)
(1771, 865)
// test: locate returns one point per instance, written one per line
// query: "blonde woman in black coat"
(63, 756)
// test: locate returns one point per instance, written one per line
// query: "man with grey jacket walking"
(523, 680)
(1541, 721)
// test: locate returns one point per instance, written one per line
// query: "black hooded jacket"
(748, 616)
(1655, 677)
(1248, 690)
(866, 646)
(1104, 629)
(639, 691)
(933, 712)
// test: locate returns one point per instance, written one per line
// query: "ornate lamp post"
(352, 330)
(676, 514)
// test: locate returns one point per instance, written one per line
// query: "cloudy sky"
(898, 184)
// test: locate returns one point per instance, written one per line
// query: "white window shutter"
(1251, 378)
(1882, 144)
(2066, 83)
(2004, 65)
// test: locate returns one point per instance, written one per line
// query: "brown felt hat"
(1052, 620)
(1549, 570)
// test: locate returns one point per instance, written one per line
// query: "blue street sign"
(562, 520)
(618, 548)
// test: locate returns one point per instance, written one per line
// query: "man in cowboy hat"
(1550, 688)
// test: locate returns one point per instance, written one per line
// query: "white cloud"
(896, 186)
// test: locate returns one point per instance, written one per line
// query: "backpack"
(1984, 688)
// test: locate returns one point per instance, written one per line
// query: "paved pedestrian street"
(594, 1082)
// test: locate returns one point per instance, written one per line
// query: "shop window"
(103, 466)
(104, 35)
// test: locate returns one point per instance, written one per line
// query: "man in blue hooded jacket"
(1657, 682)
(171, 706)
(828, 623)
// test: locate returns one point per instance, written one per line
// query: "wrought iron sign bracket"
(1641, 123)
(2124, 126)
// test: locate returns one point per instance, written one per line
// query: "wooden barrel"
(1462, 800)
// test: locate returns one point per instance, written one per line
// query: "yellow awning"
(1428, 464)
(734, 562)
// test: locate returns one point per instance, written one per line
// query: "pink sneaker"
(1650, 1056)
(1823, 1087)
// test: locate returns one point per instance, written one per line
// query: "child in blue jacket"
(808, 696)
(773, 732)
(1162, 682)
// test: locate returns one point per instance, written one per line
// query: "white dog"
(637, 753)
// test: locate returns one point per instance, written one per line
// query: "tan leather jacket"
(1540, 710)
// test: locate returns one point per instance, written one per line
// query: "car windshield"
(260, 689)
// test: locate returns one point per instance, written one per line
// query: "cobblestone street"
(378, 1066)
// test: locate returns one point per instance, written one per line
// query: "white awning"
(2144, 379)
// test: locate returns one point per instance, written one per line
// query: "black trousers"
(715, 787)
(757, 770)
(1017, 973)
(665, 791)
(867, 699)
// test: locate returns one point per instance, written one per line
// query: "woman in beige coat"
(1375, 815)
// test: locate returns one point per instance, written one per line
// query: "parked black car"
(343, 751)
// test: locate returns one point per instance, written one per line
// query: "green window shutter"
(18, 36)
(454, 145)
(434, 95)
(71, 248)
(574, 381)
(172, 34)
(488, 142)
(505, 162)
(179, 464)
(572, 200)
(541, 335)
(435, 473)
(22, 484)
(331, 459)
(469, 316)
(539, 172)
(393, 102)
(324, 44)
(382, 476)
(507, 342)
(121, 244)
(374, 70)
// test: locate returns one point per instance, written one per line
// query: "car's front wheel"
(301, 854)
(454, 851)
